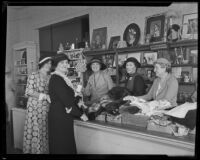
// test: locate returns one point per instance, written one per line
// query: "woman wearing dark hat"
(35, 130)
(165, 86)
(63, 109)
(99, 83)
(134, 82)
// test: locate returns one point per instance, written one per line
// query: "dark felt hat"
(134, 60)
(97, 60)
(59, 57)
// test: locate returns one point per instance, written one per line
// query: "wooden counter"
(95, 137)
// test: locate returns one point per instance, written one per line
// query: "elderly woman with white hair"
(165, 86)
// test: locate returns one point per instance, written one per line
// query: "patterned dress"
(35, 139)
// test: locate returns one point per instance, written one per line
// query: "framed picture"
(114, 42)
(149, 57)
(132, 35)
(190, 26)
(155, 28)
(99, 38)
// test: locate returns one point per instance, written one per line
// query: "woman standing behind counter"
(133, 81)
(99, 82)
(63, 109)
(165, 86)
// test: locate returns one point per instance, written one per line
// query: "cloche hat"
(97, 60)
(134, 60)
(59, 57)
(162, 61)
(43, 59)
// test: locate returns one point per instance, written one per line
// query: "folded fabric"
(181, 111)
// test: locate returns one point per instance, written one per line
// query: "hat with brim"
(133, 60)
(162, 61)
(60, 57)
(96, 60)
(44, 59)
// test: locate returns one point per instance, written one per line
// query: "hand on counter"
(84, 117)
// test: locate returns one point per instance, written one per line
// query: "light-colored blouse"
(167, 91)
(96, 89)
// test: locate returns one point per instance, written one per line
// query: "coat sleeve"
(64, 94)
(139, 86)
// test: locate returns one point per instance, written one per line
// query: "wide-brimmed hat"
(97, 60)
(44, 59)
(162, 61)
(134, 60)
(59, 57)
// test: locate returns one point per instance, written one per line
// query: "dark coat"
(135, 84)
(61, 129)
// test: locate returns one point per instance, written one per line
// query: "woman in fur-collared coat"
(63, 109)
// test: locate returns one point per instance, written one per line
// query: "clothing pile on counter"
(110, 103)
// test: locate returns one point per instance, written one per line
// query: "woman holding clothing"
(63, 109)
(165, 86)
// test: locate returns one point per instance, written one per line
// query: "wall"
(23, 23)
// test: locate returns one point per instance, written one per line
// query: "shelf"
(144, 47)
(173, 65)
(22, 96)
(21, 84)
(22, 74)
(21, 65)
(184, 43)
(186, 83)
(185, 65)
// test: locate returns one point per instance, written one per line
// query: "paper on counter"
(181, 111)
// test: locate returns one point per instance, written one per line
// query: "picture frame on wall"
(155, 28)
(149, 57)
(114, 42)
(132, 35)
(190, 26)
(99, 38)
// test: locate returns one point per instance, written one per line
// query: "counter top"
(140, 132)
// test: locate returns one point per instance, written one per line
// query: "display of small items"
(22, 101)
(22, 70)
(185, 77)
(108, 60)
(72, 72)
(22, 80)
(183, 97)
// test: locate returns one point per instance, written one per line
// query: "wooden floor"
(9, 142)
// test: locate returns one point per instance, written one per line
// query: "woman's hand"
(84, 117)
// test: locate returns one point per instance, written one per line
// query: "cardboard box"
(114, 119)
(154, 127)
(136, 120)
(101, 117)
